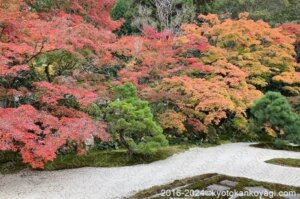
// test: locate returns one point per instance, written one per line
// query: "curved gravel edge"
(238, 159)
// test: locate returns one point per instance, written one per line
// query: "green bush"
(237, 129)
(123, 10)
(273, 115)
(132, 123)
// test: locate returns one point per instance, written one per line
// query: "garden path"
(238, 159)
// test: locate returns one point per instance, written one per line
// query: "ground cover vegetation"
(288, 162)
(192, 186)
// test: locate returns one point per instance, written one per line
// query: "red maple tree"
(26, 35)
(38, 135)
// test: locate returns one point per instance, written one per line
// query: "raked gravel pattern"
(238, 159)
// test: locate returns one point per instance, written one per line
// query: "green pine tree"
(274, 113)
(132, 122)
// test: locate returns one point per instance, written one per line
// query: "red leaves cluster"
(97, 11)
(151, 33)
(157, 55)
(291, 29)
(13, 71)
(25, 35)
(80, 26)
(38, 135)
(197, 126)
(51, 94)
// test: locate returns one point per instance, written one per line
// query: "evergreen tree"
(274, 115)
(132, 122)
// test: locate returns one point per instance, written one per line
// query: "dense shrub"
(274, 116)
(132, 122)
(237, 129)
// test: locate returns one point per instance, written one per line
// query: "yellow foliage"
(214, 97)
(244, 15)
(212, 19)
(253, 46)
(41, 70)
(289, 78)
(295, 90)
(270, 131)
(172, 120)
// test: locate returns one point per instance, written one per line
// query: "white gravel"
(101, 183)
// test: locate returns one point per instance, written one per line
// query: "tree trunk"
(123, 141)
(48, 73)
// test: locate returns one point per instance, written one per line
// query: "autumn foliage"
(208, 73)
(26, 37)
(264, 53)
(38, 135)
